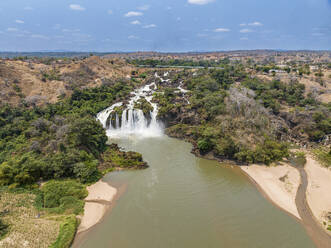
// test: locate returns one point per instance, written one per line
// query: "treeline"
(180, 62)
(238, 117)
(62, 140)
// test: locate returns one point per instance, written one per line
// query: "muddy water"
(184, 201)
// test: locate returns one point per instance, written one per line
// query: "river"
(185, 201)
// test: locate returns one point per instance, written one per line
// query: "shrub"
(87, 171)
(64, 195)
(323, 155)
(226, 148)
(3, 229)
(67, 233)
(89, 134)
(205, 145)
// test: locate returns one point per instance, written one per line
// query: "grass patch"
(24, 224)
(67, 233)
(323, 156)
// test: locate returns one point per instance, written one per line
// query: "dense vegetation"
(238, 117)
(64, 196)
(64, 145)
(115, 158)
(61, 140)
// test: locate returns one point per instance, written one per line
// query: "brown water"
(183, 201)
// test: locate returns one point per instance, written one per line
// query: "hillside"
(38, 81)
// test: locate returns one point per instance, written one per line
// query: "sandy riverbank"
(318, 190)
(97, 202)
(279, 183)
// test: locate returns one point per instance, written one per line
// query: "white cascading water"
(132, 121)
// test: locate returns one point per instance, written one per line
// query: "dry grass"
(27, 78)
(25, 229)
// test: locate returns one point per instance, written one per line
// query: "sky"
(164, 25)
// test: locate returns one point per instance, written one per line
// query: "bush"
(64, 195)
(3, 229)
(88, 134)
(323, 155)
(87, 171)
(226, 148)
(67, 233)
(115, 158)
(205, 145)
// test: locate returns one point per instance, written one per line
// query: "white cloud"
(12, 29)
(243, 38)
(202, 35)
(150, 26)
(76, 7)
(110, 12)
(133, 13)
(246, 30)
(256, 24)
(19, 21)
(66, 30)
(200, 2)
(132, 37)
(39, 36)
(242, 24)
(317, 34)
(218, 30)
(28, 8)
(144, 7)
(136, 22)
(106, 40)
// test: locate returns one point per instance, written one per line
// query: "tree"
(88, 134)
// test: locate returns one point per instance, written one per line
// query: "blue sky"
(164, 25)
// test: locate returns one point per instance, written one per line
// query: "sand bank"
(279, 183)
(318, 190)
(97, 202)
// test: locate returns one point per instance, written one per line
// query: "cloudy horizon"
(167, 26)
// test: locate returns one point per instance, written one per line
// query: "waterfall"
(132, 121)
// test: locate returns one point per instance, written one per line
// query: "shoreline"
(272, 190)
(82, 232)
(307, 202)
(100, 198)
(318, 190)
(278, 184)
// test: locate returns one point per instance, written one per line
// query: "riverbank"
(99, 199)
(278, 183)
(318, 191)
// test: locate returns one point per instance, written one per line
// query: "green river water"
(184, 201)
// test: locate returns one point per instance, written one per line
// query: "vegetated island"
(246, 108)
